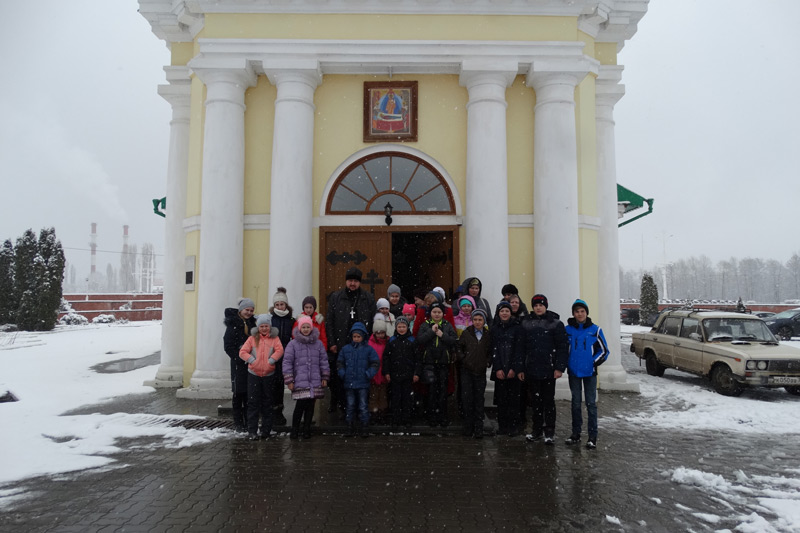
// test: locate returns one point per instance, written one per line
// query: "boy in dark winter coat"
(399, 362)
(587, 350)
(238, 325)
(357, 364)
(437, 339)
(475, 355)
(506, 364)
(545, 360)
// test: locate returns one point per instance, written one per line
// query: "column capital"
(226, 81)
(178, 92)
(283, 70)
(487, 71)
(608, 89)
(560, 71)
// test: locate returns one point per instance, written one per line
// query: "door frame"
(324, 230)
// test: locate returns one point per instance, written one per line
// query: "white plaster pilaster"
(486, 214)
(178, 94)
(291, 193)
(608, 91)
(555, 182)
(219, 269)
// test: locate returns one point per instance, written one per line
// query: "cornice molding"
(171, 20)
(604, 20)
(395, 57)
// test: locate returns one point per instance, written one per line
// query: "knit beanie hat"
(480, 312)
(266, 318)
(310, 300)
(411, 309)
(399, 320)
(304, 319)
(465, 301)
(539, 299)
(503, 304)
(437, 305)
(509, 289)
(580, 303)
(437, 296)
(280, 296)
(244, 303)
(381, 303)
(353, 273)
(392, 289)
(379, 325)
(440, 291)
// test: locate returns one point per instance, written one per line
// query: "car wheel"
(654, 368)
(785, 333)
(722, 379)
(793, 390)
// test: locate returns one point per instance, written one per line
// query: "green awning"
(632, 202)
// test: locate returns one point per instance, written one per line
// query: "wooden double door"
(410, 257)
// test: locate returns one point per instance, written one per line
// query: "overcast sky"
(708, 127)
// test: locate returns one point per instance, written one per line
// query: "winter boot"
(294, 432)
(307, 429)
(351, 430)
(365, 431)
(573, 439)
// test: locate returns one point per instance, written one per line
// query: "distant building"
(490, 133)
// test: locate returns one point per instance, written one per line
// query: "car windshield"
(736, 329)
(789, 313)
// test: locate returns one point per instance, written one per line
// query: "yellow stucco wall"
(190, 311)
(338, 129)
(255, 277)
(520, 261)
(181, 53)
(519, 136)
(590, 292)
(195, 166)
(587, 147)
(259, 118)
(390, 27)
(606, 53)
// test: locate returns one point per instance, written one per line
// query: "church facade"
(423, 141)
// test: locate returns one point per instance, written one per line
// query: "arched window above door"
(409, 183)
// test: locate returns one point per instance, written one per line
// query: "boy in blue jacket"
(587, 350)
(357, 364)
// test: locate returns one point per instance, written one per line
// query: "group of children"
(426, 344)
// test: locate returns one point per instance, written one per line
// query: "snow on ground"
(686, 402)
(50, 373)
(683, 401)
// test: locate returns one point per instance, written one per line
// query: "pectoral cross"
(352, 313)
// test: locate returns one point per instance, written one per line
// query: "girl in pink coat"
(261, 352)
(379, 388)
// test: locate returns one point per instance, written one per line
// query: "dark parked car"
(764, 314)
(629, 316)
(785, 324)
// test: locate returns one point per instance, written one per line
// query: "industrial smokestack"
(93, 247)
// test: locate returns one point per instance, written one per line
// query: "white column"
(555, 188)
(291, 194)
(219, 268)
(486, 215)
(608, 91)
(178, 94)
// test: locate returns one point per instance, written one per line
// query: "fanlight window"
(410, 184)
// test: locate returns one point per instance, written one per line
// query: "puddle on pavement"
(126, 365)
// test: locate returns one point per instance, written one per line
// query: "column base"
(167, 377)
(615, 378)
(207, 385)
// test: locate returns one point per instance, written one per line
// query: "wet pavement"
(434, 480)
